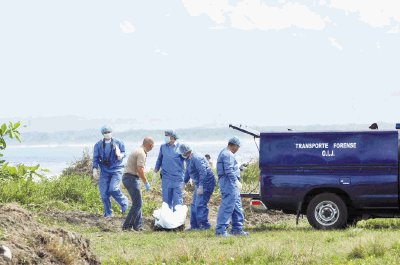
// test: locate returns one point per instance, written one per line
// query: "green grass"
(282, 243)
(251, 173)
(64, 193)
(370, 242)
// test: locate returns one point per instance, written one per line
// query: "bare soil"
(88, 220)
(33, 243)
(114, 224)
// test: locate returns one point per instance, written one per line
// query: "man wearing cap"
(230, 209)
(171, 164)
(198, 169)
(108, 154)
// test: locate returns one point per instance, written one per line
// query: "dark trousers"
(134, 219)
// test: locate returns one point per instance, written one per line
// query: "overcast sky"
(199, 62)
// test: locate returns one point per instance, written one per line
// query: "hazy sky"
(197, 62)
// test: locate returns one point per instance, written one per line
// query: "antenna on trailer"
(249, 131)
(252, 132)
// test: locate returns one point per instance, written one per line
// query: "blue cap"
(106, 129)
(184, 148)
(171, 133)
(234, 140)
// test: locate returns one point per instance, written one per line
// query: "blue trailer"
(335, 178)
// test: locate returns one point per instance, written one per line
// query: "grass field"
(282, 242)
(370, 242)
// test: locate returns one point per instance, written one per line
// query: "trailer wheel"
(327, 211)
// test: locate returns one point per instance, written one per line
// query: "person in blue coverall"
(230, 209)
(108, 154)
(198, 169)
(172, 165)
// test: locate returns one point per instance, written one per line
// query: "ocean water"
(56, 157)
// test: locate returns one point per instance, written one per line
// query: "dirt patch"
(253, 219)
(33, 243)
(114, 224)
(88, 220)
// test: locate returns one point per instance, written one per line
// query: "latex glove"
(156, 171)
(200, 190)
(147, 186)
(95, 174)
(238, 184)
(118, 152)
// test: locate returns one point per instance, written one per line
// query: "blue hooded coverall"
(172, 170)
(110, 173)
(198, 169)
(230, 209)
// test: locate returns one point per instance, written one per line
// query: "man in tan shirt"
(134, 170)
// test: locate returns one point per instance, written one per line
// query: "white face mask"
(167, 139)
(107, 136)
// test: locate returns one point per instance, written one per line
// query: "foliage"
(82, 166)
(8, 171)
(251, 173)
(72, 192)
(392, 223)
(10, 130)
(369, 249)
(64, 192)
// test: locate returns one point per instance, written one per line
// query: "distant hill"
(75, 123)
(189, 134)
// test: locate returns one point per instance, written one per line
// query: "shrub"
(20, 171)
(251, 173)
(82, 166)
(66, 192)
(369, 249)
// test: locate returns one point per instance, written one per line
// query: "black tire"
(327, 211)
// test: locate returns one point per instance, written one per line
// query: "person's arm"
(142, 176)
(159, 161)
(140, 164)
(96, 157)
(120, 150)
(201, 167)
(187, 176)
(228, 162)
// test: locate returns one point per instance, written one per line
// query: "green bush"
(27, 186)
(251, 173)
(390, 223)
(76, 191)
(81, 167)
(10, 171)
(368, 249)
(65, 192)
